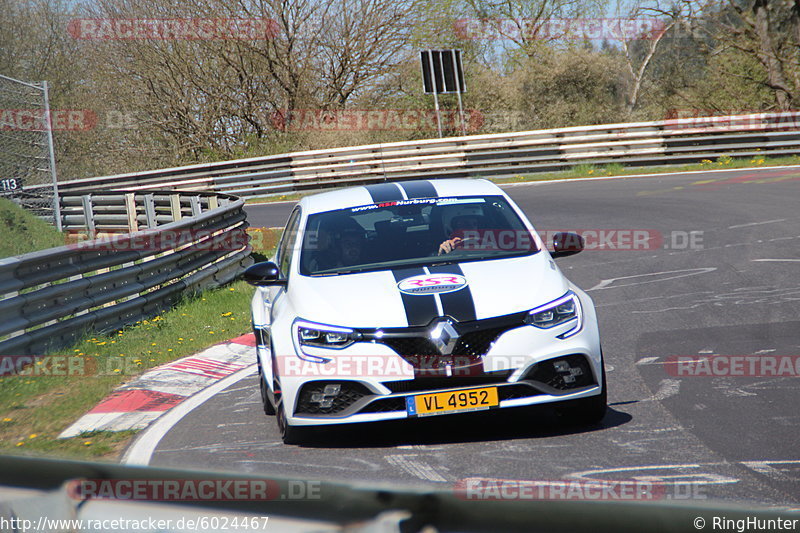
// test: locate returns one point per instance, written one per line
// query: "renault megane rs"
(420, 298)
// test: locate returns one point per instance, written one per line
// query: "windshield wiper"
(443, 262)
(337, 273)
(430, 261)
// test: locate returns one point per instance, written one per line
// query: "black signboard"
(442, 71)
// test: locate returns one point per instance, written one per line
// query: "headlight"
(324, 336)
(565, 309)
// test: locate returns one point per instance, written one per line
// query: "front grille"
(471, 344)
(579, 375)
(411, 346)
(451, 382)
(475, 340)
(349, 393)
(477, 343)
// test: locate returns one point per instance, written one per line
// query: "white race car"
(420, 298)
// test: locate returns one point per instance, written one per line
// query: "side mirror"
(264, 274)
(566, 243)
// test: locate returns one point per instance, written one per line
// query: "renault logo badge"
(444, 337)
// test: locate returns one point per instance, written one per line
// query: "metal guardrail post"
(150, 211)
(130, 210)
(88, 215)
(196, 207)
(175, 207)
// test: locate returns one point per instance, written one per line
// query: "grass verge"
(22, 232)
(35, 408)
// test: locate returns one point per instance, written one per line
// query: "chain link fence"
(26, 148)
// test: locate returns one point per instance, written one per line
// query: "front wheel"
(266, 402)
(289, 433)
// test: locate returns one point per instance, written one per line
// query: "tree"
(766, 30)
(529, 26)
(640, 44)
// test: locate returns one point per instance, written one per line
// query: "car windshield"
(413, 232)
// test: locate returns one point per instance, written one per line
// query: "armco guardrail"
(115, 212)
(50, 298)
(633, 144)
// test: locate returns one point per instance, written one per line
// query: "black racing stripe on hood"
(420, 309)
(384, 192)
(419, 189)
(458, 304)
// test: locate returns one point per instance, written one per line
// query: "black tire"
(587, 411)
(289, 434)
(266, 401)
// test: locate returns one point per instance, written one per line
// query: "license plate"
(440, 403)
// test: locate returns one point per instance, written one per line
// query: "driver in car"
(336, 249)
(460, 225)
(351, 247)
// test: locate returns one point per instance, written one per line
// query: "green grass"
(22, 232)
(616, 169)
(288, 197)
(587, 170)
(35, 409)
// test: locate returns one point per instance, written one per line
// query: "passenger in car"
(324, 256)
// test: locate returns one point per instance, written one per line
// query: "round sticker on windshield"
(432, 284)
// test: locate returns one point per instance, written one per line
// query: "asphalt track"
(735, 292)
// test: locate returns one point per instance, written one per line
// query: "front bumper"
(516, 363)
(354, 401)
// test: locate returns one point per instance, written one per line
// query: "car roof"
(387, 191)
